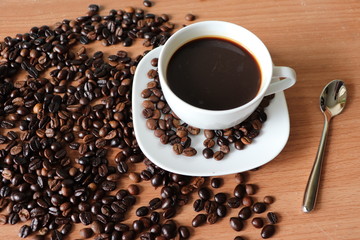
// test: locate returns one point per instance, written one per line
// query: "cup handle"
(283, 78)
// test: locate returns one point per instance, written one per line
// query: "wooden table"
(320, 40)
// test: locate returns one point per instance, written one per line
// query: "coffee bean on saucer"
(208, 153)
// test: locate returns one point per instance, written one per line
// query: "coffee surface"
(214, 73)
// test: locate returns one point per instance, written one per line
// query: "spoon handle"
(312, 186)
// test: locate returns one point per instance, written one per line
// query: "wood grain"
(320, 40)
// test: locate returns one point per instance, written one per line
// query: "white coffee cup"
(273, 78)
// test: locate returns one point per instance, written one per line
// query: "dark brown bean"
(272, 217)
(257, 222)
(268, 231)
(236, 224)
(259, 207)
(199, 220)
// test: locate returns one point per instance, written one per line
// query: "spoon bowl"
(332, 102)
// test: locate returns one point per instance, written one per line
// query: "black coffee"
(214, 73)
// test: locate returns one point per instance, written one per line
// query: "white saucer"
(265, 147)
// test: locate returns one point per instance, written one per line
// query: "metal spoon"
(332, 102)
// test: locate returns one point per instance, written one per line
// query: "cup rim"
(162, 77)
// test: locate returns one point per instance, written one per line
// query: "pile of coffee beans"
(169, 128)
(60, 123)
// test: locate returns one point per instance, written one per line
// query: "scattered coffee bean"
(189, 17)
(259, 207)
(236, 224)
(245, 213)
(233, 202)
(184, 232)
(204, 193)
(268, 199)
(199, 220)
(272, 217)
(216, 182)
(239, 238)
(86, 232)
(133, 189)
(267, 231)
(220, 198)
(257, 222)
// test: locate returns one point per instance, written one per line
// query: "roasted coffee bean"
(97, 227)
(147, 3)
(216, 182)
(155, 203)
(239, 191)
(169, 213)
(142, 211)
(208, 153)
(236, 224)
(272, 217)
(204, 193)
(190, 151)
(85, 218)
(210, 206)
(259, 207)
(268, 199)
(25, 231)
(184, 232)
(245, 213)
(221, 211)
(190, 17)
(239, 178)
(199, 220)
(133, 189)
(169, 230)
(86, 232)
(218, 155)
(247, 201)
(233, 202)
(220, 198)
(212, 218)
(257, 222)
(198, 205)
(267, 231)
(250, 189)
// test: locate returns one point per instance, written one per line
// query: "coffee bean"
(257, 222)
(169, 213)
(189, 17)
(245, 213)
(259, 207)
(142, 211)
(85, 218)
(86, 232)
(184, 232)
(188, 152)
(25, 231)
(216, 182)
(272, 217)
(268, 200)
(221, 211)
(198, 205)
(220, 198)
(239, 178)
(97, 227)
(135, 177)
(218, 155)
(233, 202)
(250, 189)
(169, 231)
(199, 220)
(147, 3)
(267, 231)
(247, 201)
(208, 153)
(212, 218)
(204, 193)
(178, 148)
(236, 224)
(239, 191)
(239, 238)
(133, 189)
